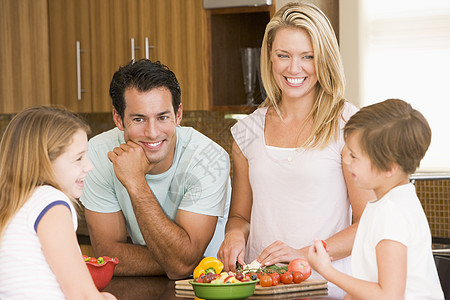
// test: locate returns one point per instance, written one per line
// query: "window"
(404, 53)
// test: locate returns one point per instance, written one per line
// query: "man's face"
(149, 120)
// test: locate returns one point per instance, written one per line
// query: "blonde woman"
(289, 185)
(43, 164)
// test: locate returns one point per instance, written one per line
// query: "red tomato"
(300, 265)
(275, 281)
(298, 277)
(287, 278)
(239, 276)
(93, 260)
(275, 276)
(265, 281)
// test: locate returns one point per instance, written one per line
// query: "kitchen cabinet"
(89, 40)
(180, 35)
(243, 27)
(24, 55)
(231, 30)
(110, 34)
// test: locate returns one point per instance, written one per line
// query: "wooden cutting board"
(307, 288)
(285, 296)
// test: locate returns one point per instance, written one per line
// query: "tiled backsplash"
(435, 198)
(434, 194)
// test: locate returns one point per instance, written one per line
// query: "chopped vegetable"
(208, 265)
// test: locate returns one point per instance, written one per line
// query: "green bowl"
(212, 291)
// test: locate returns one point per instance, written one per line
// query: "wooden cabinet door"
(112, 27)
(24, 55)
(104, 29)
(181, 42)
(70, 68)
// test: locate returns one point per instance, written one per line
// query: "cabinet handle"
(78, 71)
(132, 50)
(147, 46)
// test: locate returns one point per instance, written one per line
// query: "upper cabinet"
(181, 41)
(24, 55)
(233, 30)
(90, 39)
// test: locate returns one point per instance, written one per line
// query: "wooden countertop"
(154, 287)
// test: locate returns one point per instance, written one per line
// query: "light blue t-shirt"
(198, 181)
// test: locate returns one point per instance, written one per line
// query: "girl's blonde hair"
(329, 101)
(32, 140)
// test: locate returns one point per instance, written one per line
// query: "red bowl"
(102, 273)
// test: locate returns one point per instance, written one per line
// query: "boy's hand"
(318, 257)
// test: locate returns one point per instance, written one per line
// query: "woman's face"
(72, 166)
(293, 67)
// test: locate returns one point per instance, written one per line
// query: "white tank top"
(298, 194)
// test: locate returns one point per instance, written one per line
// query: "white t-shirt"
(198, 181)
(398, 216)
(24, 271)
(298, 194)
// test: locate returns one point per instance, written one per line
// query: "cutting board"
(309, 287)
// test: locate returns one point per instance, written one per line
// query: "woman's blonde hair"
(32, 140)
(329, 101)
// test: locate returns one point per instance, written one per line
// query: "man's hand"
(130, 162)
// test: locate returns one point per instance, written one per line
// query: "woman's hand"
(318, 257)
(232, 250)
(278, 252)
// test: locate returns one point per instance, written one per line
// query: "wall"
(350, 43)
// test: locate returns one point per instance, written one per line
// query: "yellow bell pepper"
(208, 265)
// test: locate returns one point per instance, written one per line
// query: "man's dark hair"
(143, 75)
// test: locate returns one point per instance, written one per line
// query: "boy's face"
(149, 120)
(359, 165)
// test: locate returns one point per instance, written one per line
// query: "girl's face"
(293, 67)
(72, 166)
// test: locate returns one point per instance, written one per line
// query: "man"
(164, 185)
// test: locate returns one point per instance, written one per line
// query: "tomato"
(298, 277)
(275, 281)
(287, 278)
(300, 265)
(239, 276)
(93, 260)
(265, 281)
(275, 276)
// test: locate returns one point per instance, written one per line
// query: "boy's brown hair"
(391, 132)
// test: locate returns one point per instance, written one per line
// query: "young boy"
(391, 256)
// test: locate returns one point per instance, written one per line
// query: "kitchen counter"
(154, 287)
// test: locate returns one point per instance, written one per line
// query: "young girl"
(391, 257)
(43, 164)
